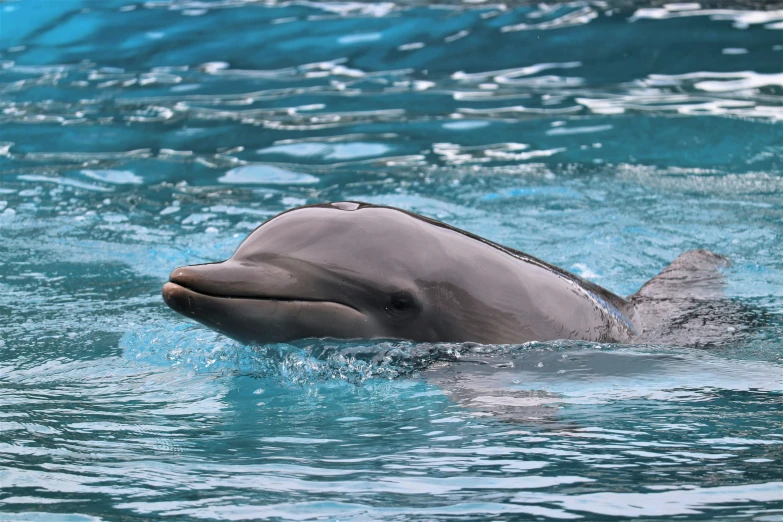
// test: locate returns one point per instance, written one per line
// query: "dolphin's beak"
(259, 302)
(184, 284)
(218, 279)
(176, 297)
(234, 279)
(187, 283)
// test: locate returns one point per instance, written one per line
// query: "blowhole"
(347, 205)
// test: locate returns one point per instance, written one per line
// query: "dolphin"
(352, 270)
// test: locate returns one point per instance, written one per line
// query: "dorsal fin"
(685, 304)
(693, 275)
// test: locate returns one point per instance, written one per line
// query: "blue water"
(606, 139)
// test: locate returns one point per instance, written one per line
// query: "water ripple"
(603, 137)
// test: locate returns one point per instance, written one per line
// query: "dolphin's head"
(341, 270)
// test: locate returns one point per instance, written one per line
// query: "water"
(606, 139)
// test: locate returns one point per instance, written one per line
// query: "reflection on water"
(604, 138)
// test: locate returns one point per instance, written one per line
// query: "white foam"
(63, 181)
(293, 202)
(456, 36)
(185, 88)
(745, 80)
(198, 217)
(298, 440)
(266, 174)
(513, 73)
(682, 6)
(329, 151)
(113, 217)
(214, 67)
(741, 18)
(350, 39)
(582, 270)
(565, 131)
(237, 211)
(117, 177)
(660, 504)
(465, 125)
(578, 17)
(343, 151)
(296, 149)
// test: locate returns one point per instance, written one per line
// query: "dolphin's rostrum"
(353, 270)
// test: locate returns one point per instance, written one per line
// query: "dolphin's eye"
(401, 303)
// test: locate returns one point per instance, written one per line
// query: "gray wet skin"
(360, 271)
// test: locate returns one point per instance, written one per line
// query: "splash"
(203, 351)
(196, 349)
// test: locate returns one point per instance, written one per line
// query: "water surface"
(606, 139)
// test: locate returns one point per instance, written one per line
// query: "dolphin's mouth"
(173, 288)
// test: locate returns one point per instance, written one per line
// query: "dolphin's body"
(359, 271)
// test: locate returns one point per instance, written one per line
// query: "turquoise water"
(137, 137)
